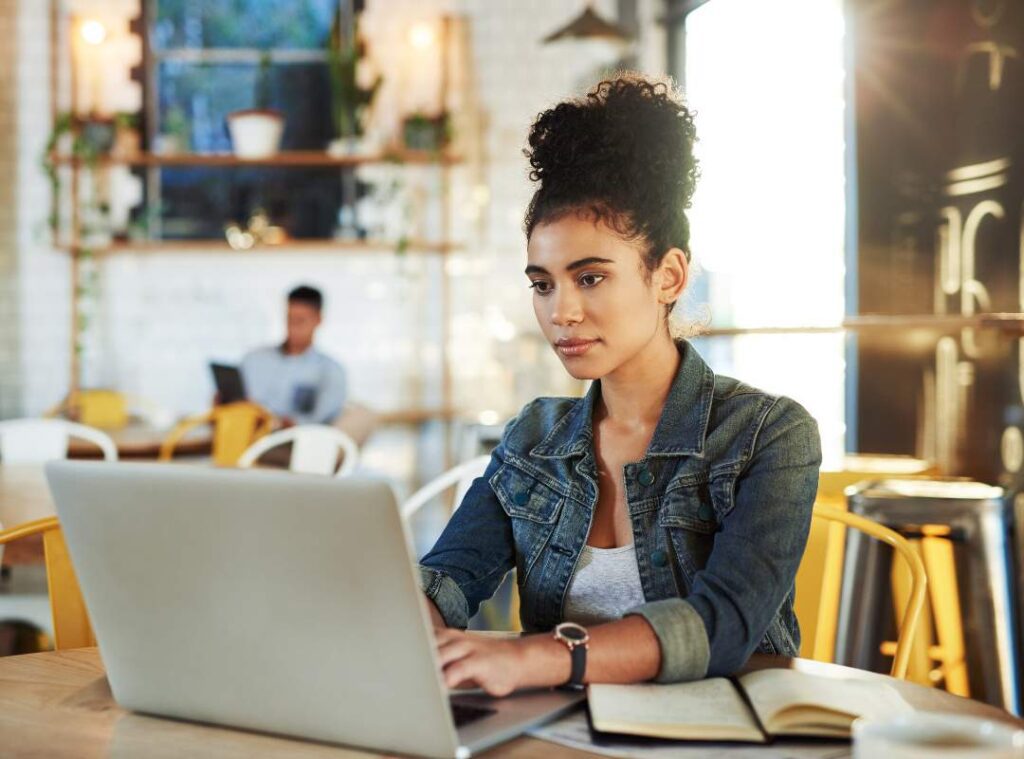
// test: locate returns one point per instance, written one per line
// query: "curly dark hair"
(622, 154)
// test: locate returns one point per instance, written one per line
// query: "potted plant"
(256, 132)
(127, 140)
(422, 132)
(175, 133)
(349, 101)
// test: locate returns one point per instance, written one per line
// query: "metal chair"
(314, 449)
(235, 427)
(32, 441)
(918, 579)
(71, 625)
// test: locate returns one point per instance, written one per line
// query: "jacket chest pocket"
(533, 508)
(688, 515)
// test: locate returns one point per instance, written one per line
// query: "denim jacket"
(720, 508)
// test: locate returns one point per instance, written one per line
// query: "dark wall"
(938, 112)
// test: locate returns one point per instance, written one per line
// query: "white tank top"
(605, 585)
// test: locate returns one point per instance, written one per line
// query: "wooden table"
(142, 441)
(59, 704)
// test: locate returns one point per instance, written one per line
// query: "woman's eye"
(589, 280)
(541, 286)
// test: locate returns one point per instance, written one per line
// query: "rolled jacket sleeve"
(761, 540)
(446, 595)
(682, 638)
(474, 553)
(751, 569)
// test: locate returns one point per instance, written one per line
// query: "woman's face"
(591, 296)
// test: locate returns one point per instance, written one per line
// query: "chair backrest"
(106, 409)
(71, 626)
(918, 584)
(314, 449)
(502, 611)
(32, 441)
(461, 477)
(235, 427)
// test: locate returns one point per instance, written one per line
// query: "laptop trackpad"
(464, 713)
(492, 720)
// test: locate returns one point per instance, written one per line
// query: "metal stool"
(963, 532)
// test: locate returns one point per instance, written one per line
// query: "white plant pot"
(255, 133)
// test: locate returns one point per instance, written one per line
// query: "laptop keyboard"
(464, 713)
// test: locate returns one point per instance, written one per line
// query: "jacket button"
(704, 512)
(646, 478)
(522, 498)
(659, 558)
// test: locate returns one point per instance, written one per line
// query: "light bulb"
(93, 32)
(421, 36)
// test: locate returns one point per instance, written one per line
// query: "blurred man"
(295, 381)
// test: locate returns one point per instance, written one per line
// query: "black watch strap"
(579, 666)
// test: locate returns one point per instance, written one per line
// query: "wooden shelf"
(284, 159)
(304, 245)
(1012, 323)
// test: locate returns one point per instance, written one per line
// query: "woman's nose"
(566, 307)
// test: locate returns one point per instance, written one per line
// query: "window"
(766, 82)
(207, 58)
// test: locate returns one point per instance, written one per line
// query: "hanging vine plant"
(88, 142)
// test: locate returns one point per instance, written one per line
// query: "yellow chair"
(71, 627)
(915, 596)
(105, 409)
(819, 578)
(236, 426)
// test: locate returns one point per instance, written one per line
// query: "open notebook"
(753, 707)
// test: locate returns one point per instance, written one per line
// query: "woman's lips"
(574, 348)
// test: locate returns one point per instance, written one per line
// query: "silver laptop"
(270, 601)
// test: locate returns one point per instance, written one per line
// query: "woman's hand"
(477, 661)
(500, 665)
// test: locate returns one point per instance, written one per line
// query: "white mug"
(928, 736)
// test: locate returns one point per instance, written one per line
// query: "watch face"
(572, 631)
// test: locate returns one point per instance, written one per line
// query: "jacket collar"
(681, 430)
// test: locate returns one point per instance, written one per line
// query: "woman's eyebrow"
(589, 261)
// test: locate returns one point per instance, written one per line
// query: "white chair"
(461, 477)
(314, 449)
(32, 441)
(502, 611)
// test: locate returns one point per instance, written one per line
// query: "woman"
(666, 511)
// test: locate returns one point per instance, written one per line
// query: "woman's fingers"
(447, 636)
(460, 673)
(458, 649)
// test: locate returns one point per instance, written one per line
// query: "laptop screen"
(228, 380)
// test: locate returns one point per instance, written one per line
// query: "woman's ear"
(673, 273)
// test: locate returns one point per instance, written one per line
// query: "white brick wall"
(161, 317)
(44, 274)
(10, 374)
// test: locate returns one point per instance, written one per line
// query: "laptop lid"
(267, 600)
(228, 379)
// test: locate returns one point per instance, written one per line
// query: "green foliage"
(350, 101)
(262, 95)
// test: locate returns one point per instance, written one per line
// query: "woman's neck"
(634, 394)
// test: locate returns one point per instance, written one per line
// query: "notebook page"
(772, 690)
(711, 709)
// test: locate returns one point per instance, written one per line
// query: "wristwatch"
(576, 638)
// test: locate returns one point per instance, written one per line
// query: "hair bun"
(627, 145)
